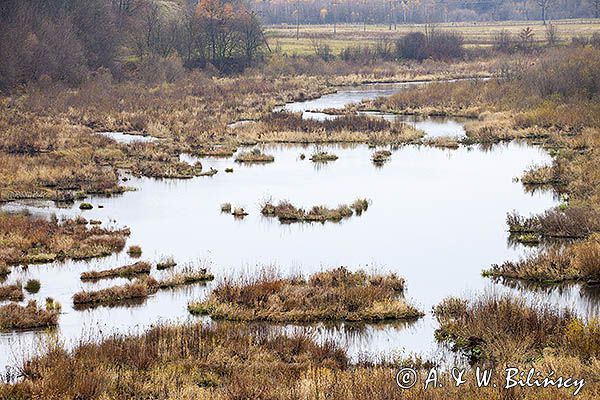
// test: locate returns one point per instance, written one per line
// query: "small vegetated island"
(139, 289)
(286, 212)
(254, 156)
(336, 295)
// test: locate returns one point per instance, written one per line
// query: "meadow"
(477, 35)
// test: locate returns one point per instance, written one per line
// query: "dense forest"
(66, 39)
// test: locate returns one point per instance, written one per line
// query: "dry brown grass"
(12, 292)
(286, 212)
(139, 289)
(501, 328)
(556, 263)
(234, 362)
(15, 316)
(126, 271)
(333, 295)
(26, 239)
(254, 156)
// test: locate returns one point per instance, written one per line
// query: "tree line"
(66, 39)
(393, 12)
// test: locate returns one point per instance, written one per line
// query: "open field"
(476, 34)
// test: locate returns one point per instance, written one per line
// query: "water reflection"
(437, 217)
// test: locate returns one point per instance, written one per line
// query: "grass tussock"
(166, 263)
(381, 156)
(126, 271)
(332, 295)
(254, 156)
(12, 292)
(27, 239)
(134, 251)
(186, 277)
(443, 142)
(286, 212)
(323, 156)
(286, 122)
(14, 316)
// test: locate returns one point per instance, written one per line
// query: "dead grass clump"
(216, 151)
(333, 295)
(254, 156)
(134, 251)
(239, 212)
(226, 207)
(126, 271)
(165, 263)
(15, 316)
(381, 156)
(11, 292)
(323, 156)
(287, 212)
(541, 176)
(139, 289)
(444, 142)
(285, 121)
(360, 205)
(186, 277)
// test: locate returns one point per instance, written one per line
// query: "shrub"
(413, 46)
(436, 45)
(33, 286)
(85, 206)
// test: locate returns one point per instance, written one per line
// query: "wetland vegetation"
(96, 95)
(337, 294)
(286, 212)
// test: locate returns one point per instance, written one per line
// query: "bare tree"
(544, 7)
